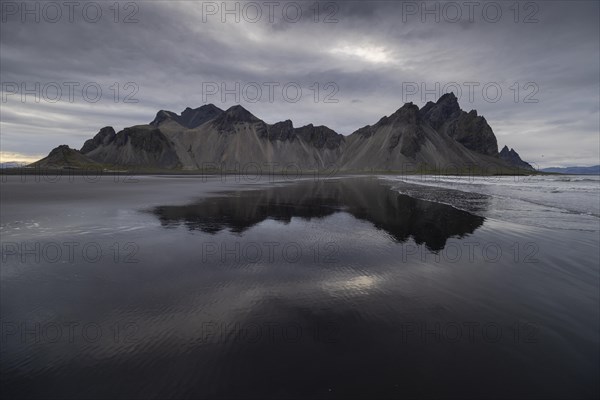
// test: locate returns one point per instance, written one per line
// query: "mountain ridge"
(440, 133)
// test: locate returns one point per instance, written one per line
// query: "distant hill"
(440, 135)
(12, 164)
(65, 157)
(595, 170)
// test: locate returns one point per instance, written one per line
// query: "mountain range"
(12, 164)
(438, 136)
(594, 170)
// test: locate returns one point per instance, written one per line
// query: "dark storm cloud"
(370, 51)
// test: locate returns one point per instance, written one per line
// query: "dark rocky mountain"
(189, 118)
(469, 129)
(102, 138)
(319, 136)
(236, 138)
(142, 145)
(440, 135)
(513, 158)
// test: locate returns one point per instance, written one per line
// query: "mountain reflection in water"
(369, 200)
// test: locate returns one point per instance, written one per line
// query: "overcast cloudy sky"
(340, 64)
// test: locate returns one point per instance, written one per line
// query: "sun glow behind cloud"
(6, 156)
(371, 54)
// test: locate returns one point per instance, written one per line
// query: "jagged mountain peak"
(513, 158)
(239, 113)
(319, 136)
(163, 115)
(449, 103)
(508, 150)
(408, 113)
(282, 126)
(469, 129)
(228, 119)
(286, 123)
(107, 130)
(319, 127)
(438, 133)
(203, 108)
(410, 106)
(102, 138)
(445, 108)
(448, 98)
(190, 117)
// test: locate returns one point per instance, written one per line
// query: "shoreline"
(259, 172)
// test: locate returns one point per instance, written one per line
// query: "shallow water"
(550, 201)
(194, 287)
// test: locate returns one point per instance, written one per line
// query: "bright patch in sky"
(374, 55)
(6, 156)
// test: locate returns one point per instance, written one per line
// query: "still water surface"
(188, 287)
